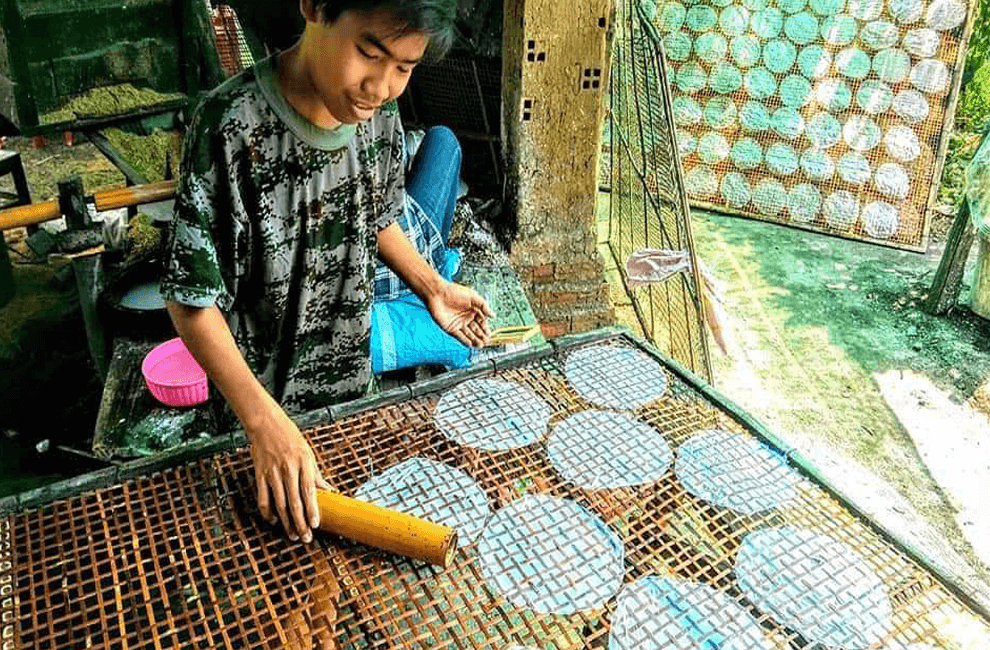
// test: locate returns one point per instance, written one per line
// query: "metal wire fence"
(648, 206)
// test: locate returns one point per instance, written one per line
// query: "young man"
(292, 179)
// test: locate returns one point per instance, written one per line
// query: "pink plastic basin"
(173, 376)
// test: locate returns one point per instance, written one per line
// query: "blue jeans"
(435, 177)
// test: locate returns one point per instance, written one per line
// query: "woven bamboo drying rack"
(169, 553)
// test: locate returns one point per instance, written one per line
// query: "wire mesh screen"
(664, 525)
(235, 56)
(830, 115)
(463, 92)
(647, 204)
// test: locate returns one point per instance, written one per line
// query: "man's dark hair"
(435, 18)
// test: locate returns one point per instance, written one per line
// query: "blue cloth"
(431, 194)
(404, 334)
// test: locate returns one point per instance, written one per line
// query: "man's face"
(358, 63)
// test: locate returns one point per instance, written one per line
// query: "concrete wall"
(554, 72)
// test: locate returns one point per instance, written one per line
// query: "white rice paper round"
(615, 377)
(880, 220)
(911, 106)
(817, 165)
(736, 190)
(803, 202)
(770, 197)
(902, 143)
(841, 209)
(930, 76)
(854, 168)
(921, 43)
(944, 15)
(892, 181)
(492, 415)
(816, 585)
(713, 148)
(861, 133)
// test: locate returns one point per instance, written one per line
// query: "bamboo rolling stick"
(391, 531)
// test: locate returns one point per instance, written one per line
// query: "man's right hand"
(284, 466)
(286, 475)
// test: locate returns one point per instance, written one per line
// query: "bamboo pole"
(123, 197)
(391, 531)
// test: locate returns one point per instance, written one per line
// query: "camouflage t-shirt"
(276, 223)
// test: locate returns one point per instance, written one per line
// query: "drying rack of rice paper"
(603, 496)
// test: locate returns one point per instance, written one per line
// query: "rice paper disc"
(802, 28)
(795, 91)
(701, 18)
(636, 455)
(734, 471)
(686, 111)
(746, 153)
(745, 50)
(902, 143)
(892, 65)
(892, 181)
(713, 148)
(804, 202)
(833, 94)
(760, 83)
(921, 43)
(779, 55)
(930, 76)
(787, 123)
(766, 23)
(671, 17)
(791, 6)
(853, 62)
(691, 77)
(720, 112)
(817, 165)
(814, 61)
(841, 209)
(861, 133)
(736, 190)
(865, 10)
(840, 29)
(433, 491)
(854, 168)
(655, 613)
(879, 35)
(781, 159)
(880, 220)
(827, 7)
(711, 47)
(943, 15)
(686, 143)
(733, 20)
(701, 182)
(906, 12)
(815, 585)
(491, 415)
(725, 79)
(769, 197)
(614, 377)
(754, 117)
(874, 97)
(911, 106)
(823, 130)
(550, 555)
(677, 45)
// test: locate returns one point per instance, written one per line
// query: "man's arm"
(284, 465)
(459, 310)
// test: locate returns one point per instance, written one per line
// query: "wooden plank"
(107, 149)
(948, 278)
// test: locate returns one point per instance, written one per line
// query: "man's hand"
(286, 475)
(462, 313)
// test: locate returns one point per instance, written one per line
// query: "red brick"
(553, 329)
(543, 273)
(594, 320)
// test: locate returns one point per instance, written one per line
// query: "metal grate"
(647, 203)
(179, 559)
(235, 56)
(830, 115)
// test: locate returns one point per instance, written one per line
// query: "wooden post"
(554, 71)
(948, 278)
(87, 269)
